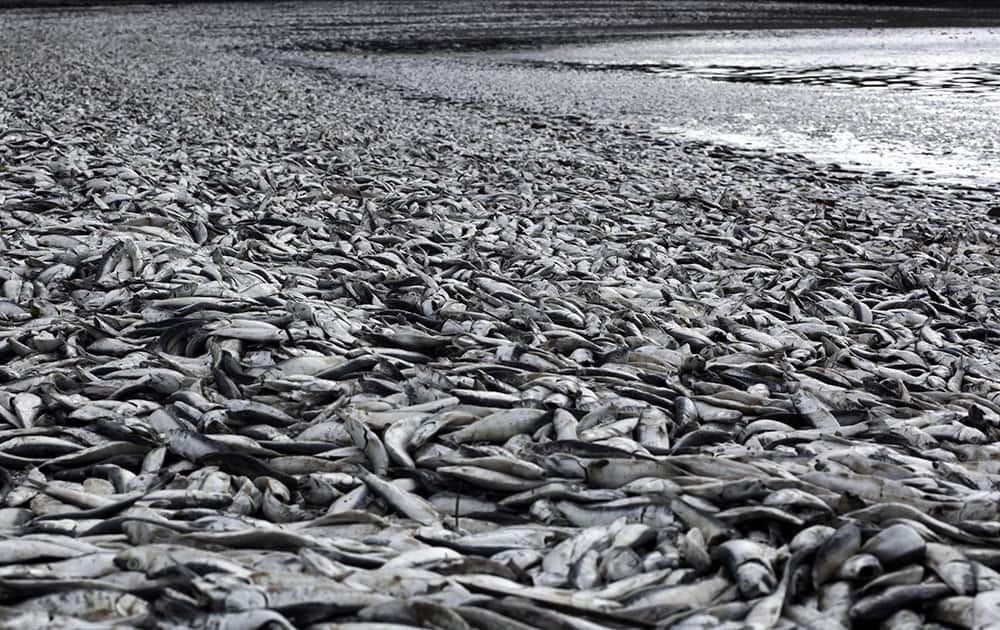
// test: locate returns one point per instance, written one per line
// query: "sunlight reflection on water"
(923, 102)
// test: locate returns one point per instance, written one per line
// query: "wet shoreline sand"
(427, 26)
(617, 378)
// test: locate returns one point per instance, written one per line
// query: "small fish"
(366, 440)
(952, 567)
(833, 553)
(500, 426)
(881, 605)
(406, 503)
(896, 545)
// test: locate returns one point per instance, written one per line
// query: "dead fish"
(563, 599)
(633, 510)
(898, 544)
(500, 426)
(952, 567)
(669, 599)
(862, 567)
(811, 538)
(837, 549)
(490, 479)
(911, 574)
(397, 439)
(90, 604)
(365, 439)
(39, 546)
(712, 530)
(289, 393)
(750, 564)
(490, 620)
(879, 606)
(904, 619)
(986, 610)
(405, 502)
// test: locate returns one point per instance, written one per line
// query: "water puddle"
(974, 79)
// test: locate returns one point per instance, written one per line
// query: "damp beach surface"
(916, 101)
(374, 315)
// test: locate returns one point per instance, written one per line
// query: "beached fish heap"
(275, 384)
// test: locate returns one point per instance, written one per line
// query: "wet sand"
(913, 101)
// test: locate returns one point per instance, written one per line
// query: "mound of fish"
(257, 375)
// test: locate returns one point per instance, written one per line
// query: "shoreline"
(413, 27)
(291, 340)
(478, 80)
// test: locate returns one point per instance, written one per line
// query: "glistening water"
(923, 102)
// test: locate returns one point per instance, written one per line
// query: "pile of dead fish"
(244, 394)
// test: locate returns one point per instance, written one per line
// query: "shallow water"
(917, 96)
(922, 102)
